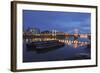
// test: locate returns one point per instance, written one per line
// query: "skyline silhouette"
(60, 21)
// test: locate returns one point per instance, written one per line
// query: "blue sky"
(60, 21)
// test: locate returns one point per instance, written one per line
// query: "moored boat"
(40, 45)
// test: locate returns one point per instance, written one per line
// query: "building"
(33, 30)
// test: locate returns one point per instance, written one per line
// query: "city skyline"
(54, 36)
(60, 21)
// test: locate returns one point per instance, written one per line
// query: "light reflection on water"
(73, 49)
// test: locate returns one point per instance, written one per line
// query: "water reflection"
(74, 43)
(72, 49)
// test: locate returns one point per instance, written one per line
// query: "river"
(67, 52)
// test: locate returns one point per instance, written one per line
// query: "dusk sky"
(60, 21)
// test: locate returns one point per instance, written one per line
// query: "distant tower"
(54, 32)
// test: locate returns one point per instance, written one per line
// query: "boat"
(42, 45)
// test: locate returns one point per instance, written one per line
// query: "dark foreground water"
(67, 52)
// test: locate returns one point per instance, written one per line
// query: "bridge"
(53, 35)
(59, 37)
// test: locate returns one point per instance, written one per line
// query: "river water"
(67, 52)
